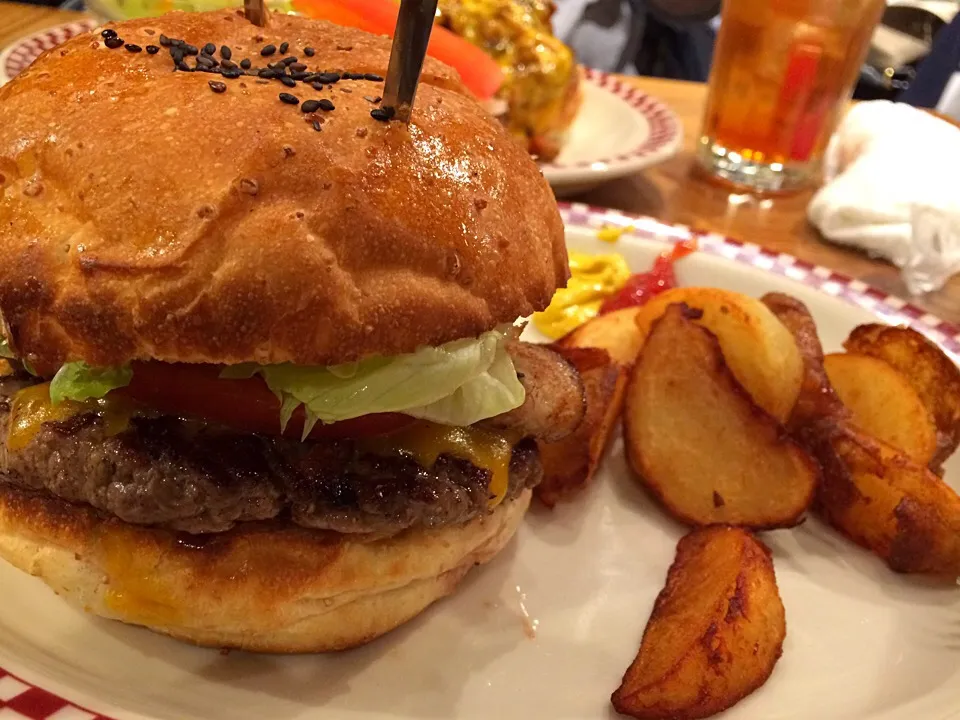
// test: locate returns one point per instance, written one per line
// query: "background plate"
(547, 629)
(618, 131)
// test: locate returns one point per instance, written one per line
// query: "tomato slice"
(479, 72)
(248, 405)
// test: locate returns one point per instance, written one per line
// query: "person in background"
(937, 82)
(664, 38)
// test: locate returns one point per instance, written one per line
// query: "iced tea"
(782, 71)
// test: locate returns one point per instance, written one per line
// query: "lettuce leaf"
(79, 381)
(459, 383)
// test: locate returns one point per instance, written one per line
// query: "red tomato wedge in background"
(248, 405)
(479, 72)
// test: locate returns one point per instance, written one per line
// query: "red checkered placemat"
(20, 700)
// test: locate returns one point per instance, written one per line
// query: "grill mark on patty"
(196, 478)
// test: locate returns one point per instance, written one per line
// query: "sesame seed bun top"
(148, 212)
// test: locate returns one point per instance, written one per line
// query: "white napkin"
(892, 189)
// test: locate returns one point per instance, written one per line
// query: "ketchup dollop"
(641, 287)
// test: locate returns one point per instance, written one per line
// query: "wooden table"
(670, 191)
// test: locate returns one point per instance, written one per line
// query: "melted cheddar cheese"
(31, 408)
(136, 591)
(425, 442)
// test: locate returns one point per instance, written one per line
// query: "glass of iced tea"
(782, 73)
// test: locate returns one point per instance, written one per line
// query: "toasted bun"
(259, 588)
(144, 216)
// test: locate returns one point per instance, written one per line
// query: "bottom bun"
(260, 587)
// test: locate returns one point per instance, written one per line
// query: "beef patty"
(197, 478)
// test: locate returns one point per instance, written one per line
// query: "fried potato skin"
(570, 464)
(715, 634)
(696, 439)
(759, 350)
(817, 401)
(616, 332)
(933, 375)
(884, 403)
(885, 502)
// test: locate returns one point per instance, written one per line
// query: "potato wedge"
(887, 503)
(616, 332)
(716, 630)
(817, 403)
(698, 441)
(760, 352)
(883, 403)
(932, 374)
(569, 464)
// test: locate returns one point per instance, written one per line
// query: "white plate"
(20, 53)
(620, 130)
(862, 642)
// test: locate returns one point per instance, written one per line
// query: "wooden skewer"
(256, 12)
(414, 24)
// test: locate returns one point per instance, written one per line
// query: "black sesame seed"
(232, 74)
(325, 105)
(289, 60)
(176, 42)
(328, 77)
(317, 125)
(153, 49)
(300, 75)
(268, 50)
(279, 66)
(382, 113)
(165, 41)
(209, 49)
(225, 52)
(108, 33)
(254, 72)
(284, 46)
(288, 81)
(190, 49)
(183, 67)
(217, 87)
(268, 73)
(245, 63)
(373, 77)
(289, 99)
(228, 65)
(296, 67)
(317, 86)
(113, 42)
(347, 76)
(206, 61)
(309, 51)
(310, 106)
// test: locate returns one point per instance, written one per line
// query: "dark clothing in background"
(666, 38)
(937, 82)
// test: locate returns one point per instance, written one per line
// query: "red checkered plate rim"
(663, 138)
(20, 53)
(889, 308)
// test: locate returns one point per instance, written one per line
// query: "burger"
(264, 387)
(541, 91)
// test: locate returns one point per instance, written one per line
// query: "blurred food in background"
(541, 82)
